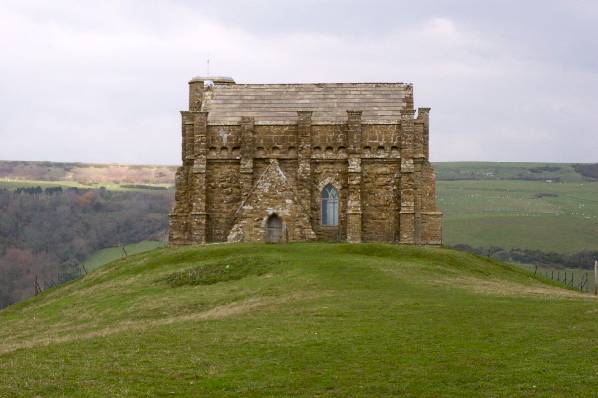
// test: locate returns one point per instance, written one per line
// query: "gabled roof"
(279, 103)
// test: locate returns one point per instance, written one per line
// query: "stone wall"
(223, 198)
(379, 201)
(275, 141)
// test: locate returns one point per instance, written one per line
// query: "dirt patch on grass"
(508, 288)
(218, 312)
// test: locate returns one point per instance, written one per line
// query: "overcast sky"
(103, 81)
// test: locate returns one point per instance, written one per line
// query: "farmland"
(557, 216)
(547, 206)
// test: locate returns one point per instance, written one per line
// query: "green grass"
(324, 320)
(559, 217)
(104, 256)
(221, 270)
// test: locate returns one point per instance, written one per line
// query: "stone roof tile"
(380, 102)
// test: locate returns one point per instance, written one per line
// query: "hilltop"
(302, 320)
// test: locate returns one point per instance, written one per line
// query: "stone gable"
(272, 194)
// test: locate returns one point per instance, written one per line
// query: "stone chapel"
(297, 162)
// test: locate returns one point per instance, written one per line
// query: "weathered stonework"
(257, 157)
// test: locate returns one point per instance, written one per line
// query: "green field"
(302, 320)
(104, 256)
(506, 171)
(549, 216)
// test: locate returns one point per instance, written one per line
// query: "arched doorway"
(273, 232)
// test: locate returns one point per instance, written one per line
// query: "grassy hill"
(302, 320)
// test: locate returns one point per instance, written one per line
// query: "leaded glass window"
(329, 205)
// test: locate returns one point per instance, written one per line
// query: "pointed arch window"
(329, 198)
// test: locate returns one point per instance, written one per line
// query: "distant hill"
(302, 320)
(555, 172)
(87, 173)
(153, 174)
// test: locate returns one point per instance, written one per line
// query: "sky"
(104, 81)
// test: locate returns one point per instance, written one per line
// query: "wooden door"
(273, 229)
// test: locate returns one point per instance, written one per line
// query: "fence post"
(595, 277)
(36, 287)
(584, 280)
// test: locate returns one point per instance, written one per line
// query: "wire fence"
(578, 279)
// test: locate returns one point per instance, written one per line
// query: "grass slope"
(104, 256)
(302, 320)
